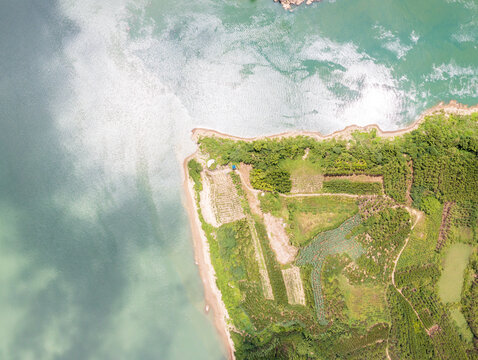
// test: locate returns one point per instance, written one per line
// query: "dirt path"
(418, 215)
(327, 194)
(410, 183)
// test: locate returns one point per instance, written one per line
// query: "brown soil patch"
(306, 183)
(445, 224)
(358, 178)
(309, 221)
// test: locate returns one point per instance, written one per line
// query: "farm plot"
(308, 216)
(359, 178)
(328, 243)
(293, 285)
(306, 176)
(220, 203)
(303, 183)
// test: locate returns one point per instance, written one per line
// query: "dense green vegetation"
(408, 338)
(195, 169)
(353, 310)
(469, 299)
(275, 180)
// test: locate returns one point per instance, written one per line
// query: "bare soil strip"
(445, 224)
(279, 239)
(358, 178)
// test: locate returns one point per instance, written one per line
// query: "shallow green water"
(451, 279)
(97, 100)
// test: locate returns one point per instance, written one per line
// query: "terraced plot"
(293, 284)
(328, 243)
(266, 283)
(220, 202)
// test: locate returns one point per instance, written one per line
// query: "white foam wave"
(377, 96)
(469, 4)
(414, 37)
(461, 80)
(468, 32)
(392, 41)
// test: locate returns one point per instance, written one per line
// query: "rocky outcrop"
(289, 4)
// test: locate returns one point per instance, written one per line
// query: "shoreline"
(213, 296)
(453, 107)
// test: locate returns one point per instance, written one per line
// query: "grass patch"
(309, 216)
(306, 176)
(421, 247)
(451, 280)
(271, 203)
(462, 325)
(365, 303)
(462, 234)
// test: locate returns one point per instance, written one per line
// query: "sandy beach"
(202, 256)
(201, 248)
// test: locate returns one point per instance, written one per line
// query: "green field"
(420, 248)
(328, 243)
(365, 303)
(301, 167)
(451, 280)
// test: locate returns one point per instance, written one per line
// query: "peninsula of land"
(310, 245)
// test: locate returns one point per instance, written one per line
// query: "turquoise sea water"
(97, 100)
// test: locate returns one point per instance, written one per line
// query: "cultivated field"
(306, 177)
(266, 283)
(328, 243)
(293, 285)
(220, 203)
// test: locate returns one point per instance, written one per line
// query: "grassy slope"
(311, 215)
